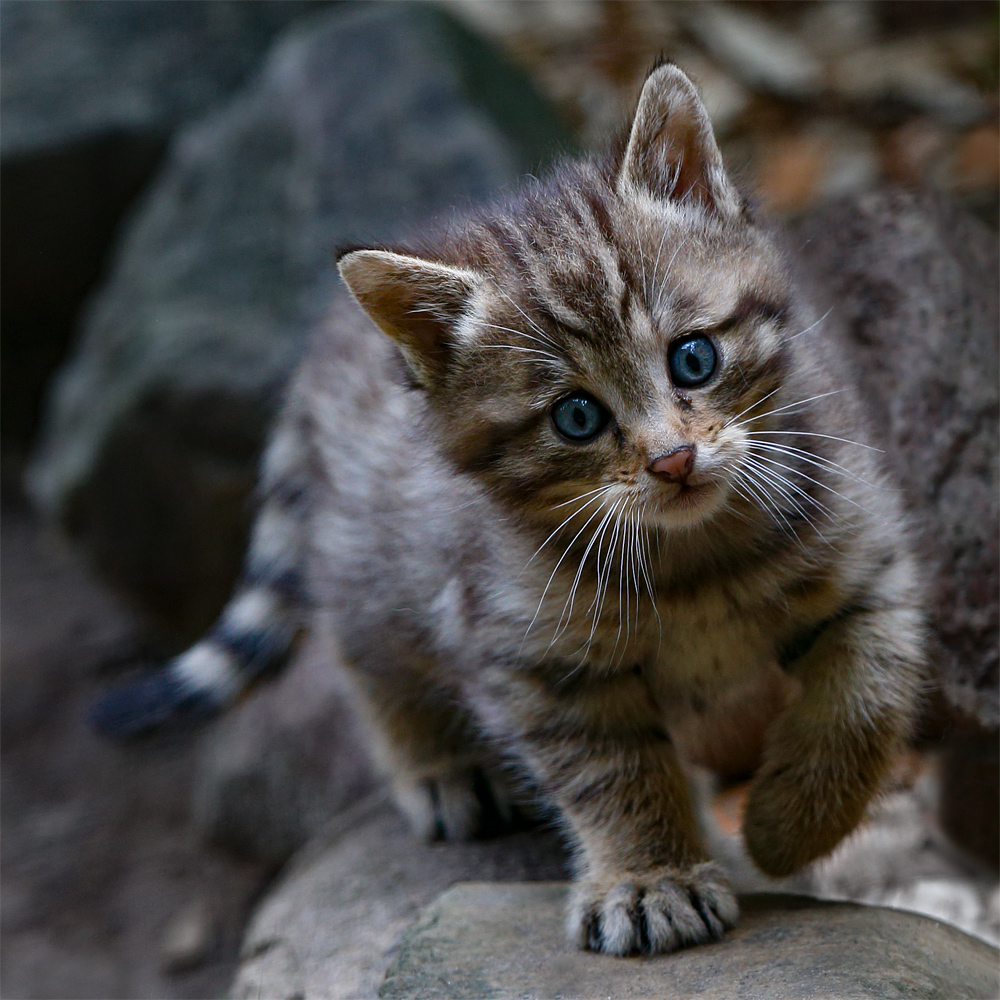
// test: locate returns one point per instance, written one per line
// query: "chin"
(689, 506)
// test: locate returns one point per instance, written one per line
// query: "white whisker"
(814, 325)
(575, 513)
(731, 420)
(550, 358)
(581, 496)
(555, 570)
(546, 342)
(663, 287)
(830, 437)
(783, 484)
(534, 326)
(811, 458)
(822, 485)
(782, 409)
(568, 604)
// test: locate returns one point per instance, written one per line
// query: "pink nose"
(675, 467)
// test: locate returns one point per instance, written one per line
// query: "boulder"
(482, 941)
(331, 925)
(75, 71)
(90, 95)
(916, 284)
(359, 913)
(280, 765)
(361, 122)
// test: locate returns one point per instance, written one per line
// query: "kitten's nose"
(675, 467)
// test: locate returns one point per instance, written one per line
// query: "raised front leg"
(644, 881)
(827, 753)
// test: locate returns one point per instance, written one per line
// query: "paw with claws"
(657, 911)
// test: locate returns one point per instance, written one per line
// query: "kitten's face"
(595, 347)
(583, 384)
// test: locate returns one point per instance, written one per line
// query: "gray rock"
(760, 54)
(188, 939)
(915, 282)
(360, 123)
(59, 627)
(89, 95)
(916, 285)
(495, 941)
(330, 927)
(279, 766)
(72, 70)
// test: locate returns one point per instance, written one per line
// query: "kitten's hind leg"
(442, 778)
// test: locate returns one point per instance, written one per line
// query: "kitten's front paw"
(796, 814)
(658, 911)
(458, 805)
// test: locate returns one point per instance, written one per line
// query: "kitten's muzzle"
(674, 467)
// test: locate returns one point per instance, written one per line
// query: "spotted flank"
(252, 636)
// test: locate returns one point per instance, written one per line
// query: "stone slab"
(331, 926)
(488, 941)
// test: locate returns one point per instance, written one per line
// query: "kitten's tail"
(257, 628)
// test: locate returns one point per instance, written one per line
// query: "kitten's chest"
(693, 648)
(706, 644)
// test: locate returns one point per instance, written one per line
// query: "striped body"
(719, 572)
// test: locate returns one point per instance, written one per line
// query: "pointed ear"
(416, 302)
(671, 151)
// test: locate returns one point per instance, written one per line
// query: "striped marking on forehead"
(693, 315)
(564, 259)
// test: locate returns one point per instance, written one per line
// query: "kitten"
(620, 512)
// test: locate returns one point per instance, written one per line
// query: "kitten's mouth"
(690, 501)
(688, 493)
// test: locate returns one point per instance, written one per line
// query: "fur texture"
(720, 573)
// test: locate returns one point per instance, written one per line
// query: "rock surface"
(361, 122)
(331, 925)
(280, 765)
(334, 923)
(486, 942)
(72, 71)
(99, 862)
(89, 96)
(916, 284)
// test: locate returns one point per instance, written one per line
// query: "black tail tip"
(139, 707)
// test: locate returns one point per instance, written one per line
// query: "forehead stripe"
(750, 306)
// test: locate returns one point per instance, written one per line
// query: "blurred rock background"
(174, 179)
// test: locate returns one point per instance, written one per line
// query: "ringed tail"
(257, 628)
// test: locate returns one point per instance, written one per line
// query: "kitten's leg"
(826, 754)
(599, 752)
(440, 777)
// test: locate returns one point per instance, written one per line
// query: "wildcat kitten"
(619, 512)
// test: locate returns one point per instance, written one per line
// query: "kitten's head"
(593, 343)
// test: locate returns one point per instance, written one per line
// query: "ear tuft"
(418, 303)
(671, 152)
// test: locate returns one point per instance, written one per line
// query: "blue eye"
(692, 361)
(579, 417)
